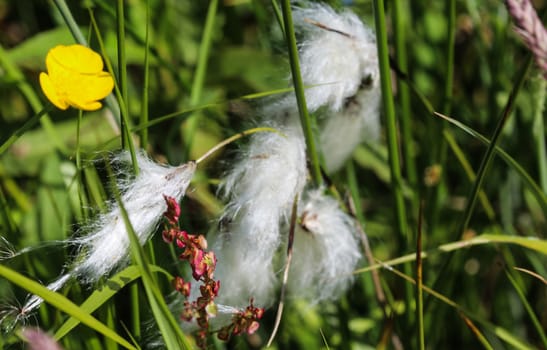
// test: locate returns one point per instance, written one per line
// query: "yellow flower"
(75, 78)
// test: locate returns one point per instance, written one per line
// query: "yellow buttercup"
(75, 77)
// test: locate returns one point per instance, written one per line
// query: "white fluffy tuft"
(336, 62)
(107, 245)
(325, 251)
(261, 188)
(339, 65)
(343, 131)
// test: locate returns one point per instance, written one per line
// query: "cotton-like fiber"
(337, 53)
(325, 250)
(261, 187)
(343, 131)
(339, 66)
(106, 246)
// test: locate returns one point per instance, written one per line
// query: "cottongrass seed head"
(261, 188)
(337, 53)
(106, 246)
(325, 250)
(339, 65)
(344, 130)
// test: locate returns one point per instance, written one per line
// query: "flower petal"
(87, 89)
(75, 78)
(51, 92)
(77, 58)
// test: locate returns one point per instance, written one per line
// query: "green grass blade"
(401, 15)
(70, 22)
(80, 39)
(532, 243)
(527, 179)
(28, 124)
(390, 122)
(146, 80)
(539, 130)
(121, 101)
(305, 118)
(460, 155)
(500, 332)
(419, 285)
(169, 328)
(482, 339)
(100, 296)
(489, 155)
(528, 308)
(63, 304)
(122, 69)
(191, 125)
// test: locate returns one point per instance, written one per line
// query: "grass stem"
(305, 118)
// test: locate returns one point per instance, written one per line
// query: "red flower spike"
(188, 312)
(182, 239)
(258, 313)
(182, 286)
(203, 265)
(202, 242)
(169, 235)
(172, 213)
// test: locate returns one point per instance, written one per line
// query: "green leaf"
(63, 304)
(170, 330)
(102, 295)
(532, 243)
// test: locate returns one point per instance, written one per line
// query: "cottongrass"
(105, 247)
(261, 187)
(325, 250)
(339, 64)
(343, 131)
(337, 53)
(107, 244)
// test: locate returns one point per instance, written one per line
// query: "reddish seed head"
(182, 286)
(172, 213)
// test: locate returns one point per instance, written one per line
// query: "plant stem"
(123, 108)
(390, 122)
(539, 131)
(485, 164)
(490, 152)
(392, 143)
(191, 123)
(419, 284)
(305, 119)
(79, 37)
(122, 71)
(440, 152)
(400, 20)
(146, 80)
